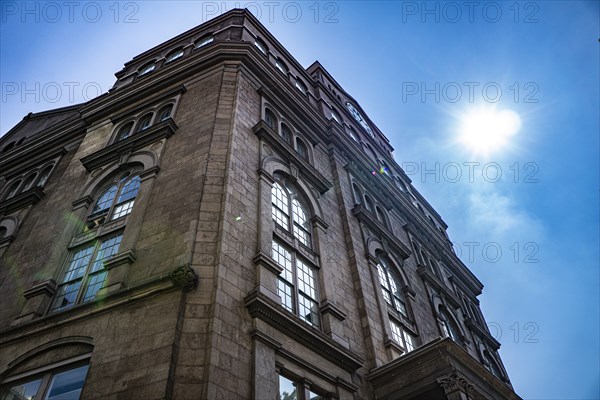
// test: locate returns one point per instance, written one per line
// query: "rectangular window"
(297, 285)
(82, 271)
(291, 390)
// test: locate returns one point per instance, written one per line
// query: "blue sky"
(542, 292)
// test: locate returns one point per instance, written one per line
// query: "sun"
(486, 130)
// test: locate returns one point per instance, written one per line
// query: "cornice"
(261, 307)
(21, 200)
(481, 332)
(426, 274)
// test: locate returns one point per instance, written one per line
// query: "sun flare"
(486, 130)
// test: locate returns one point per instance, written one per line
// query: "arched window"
(491, 364)
(369, 204)
(358, 196)
(401, 185)
(396, 305)
(144, 122)
(353, 134)
(13, 189)
(369, 151)
(118, 199)
(204, 40)
(44, 176)
(8, 147)
(449, 327)
(297, 285)
(390, 286)
(28, 182)
(301, 86)
(381, 216)
(176, 54)
(124, 132)
(286, 133)
(335, 116)
(288, 211)
(147, 68)
(301, 149)
(270, 119)
(165, 112)
(281, 66)
(260, 45)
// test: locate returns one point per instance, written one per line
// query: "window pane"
(284, 259)
(105, 201)
(308, 310)
(24, 391)
(66, 295)
(279, 199)
(287, 389)
(67, 385)
(44, 176)
(107, 249)
(79, 263)
(95, 283)
(409, 341)
(130, 189)
(284, 290)
(122, 210)
(306, 280)
(301, 225)
(314, 396)
(396, 332)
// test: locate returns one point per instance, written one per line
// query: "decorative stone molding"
(184, 277)
(426, 274)
(125, 258)
(116, 151)
(454, 382)
(47, 288)
(335, 311)
(264, 308)
(267, 262)
(38, 300)
(266, 133)
(21, 200)
(360, 212)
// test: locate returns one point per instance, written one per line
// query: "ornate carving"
(184, 277)
(453, 382)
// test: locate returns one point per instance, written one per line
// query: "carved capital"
(454, 382)
(184, 277)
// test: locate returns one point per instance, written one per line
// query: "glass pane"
(95, 283)
(409, 341)
(284, 259)
(107, 249)
(23, 391)
(67, 385)
(308, 310)
(396, 333)
(44, 176)
(122, 209)
(66, 296)
(279, 198)
(78, 264)
(287, 389)
(306, 280)
(314, 396)
(284, 290)
(105, 201)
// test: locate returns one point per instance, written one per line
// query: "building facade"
(226, 224)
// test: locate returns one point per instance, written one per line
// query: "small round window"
(175, 55)
(146, 69)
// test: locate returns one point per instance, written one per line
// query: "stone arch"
(147, 159)
(50, 353)
(274, 165)
(376, 250)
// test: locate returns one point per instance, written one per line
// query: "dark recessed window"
(369, 203)
(125, 131)
(203, 41)
(174, 55)
(335, 116)
(44, 176)
(144, 122)
(281, 66)
(146, 69)
(286, 133)
(301, 149)
(28, 182)
(58, 384)
(12, 190)
(270, 119)
(165, 112)
(301, 86)
(261, 46)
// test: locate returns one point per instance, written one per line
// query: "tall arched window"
(117, 200)
(301, 149)
(358, 196)
(492, 365)
(44, 176)
(28, 182)
(369, 203)
(124, 132)
(144, 122)
(288, 211)
(270, 119)
(12, 190)
(298, 282)
(381, 216)
(390, 287)
(286, 133)
(165, 112)
(449, 327)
